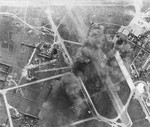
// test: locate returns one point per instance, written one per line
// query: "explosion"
(92, 64)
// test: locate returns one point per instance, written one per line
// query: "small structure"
(140, 87)
(138, 26)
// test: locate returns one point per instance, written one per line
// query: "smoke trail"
(92, 51)
(72, 87)
(138, 5)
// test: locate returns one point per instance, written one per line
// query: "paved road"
(66, 55)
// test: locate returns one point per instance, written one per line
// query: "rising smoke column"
(94, 65)
(72, 87)
(91, 52)
(65, 105)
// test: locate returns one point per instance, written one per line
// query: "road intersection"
(120, 108)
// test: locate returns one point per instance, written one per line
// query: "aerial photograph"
(74, 63)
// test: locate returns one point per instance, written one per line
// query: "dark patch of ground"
(135, 111)
(94, 123)
(124, 91)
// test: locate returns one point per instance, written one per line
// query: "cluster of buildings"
(137, 34)
(5, 70)
(44, 52)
